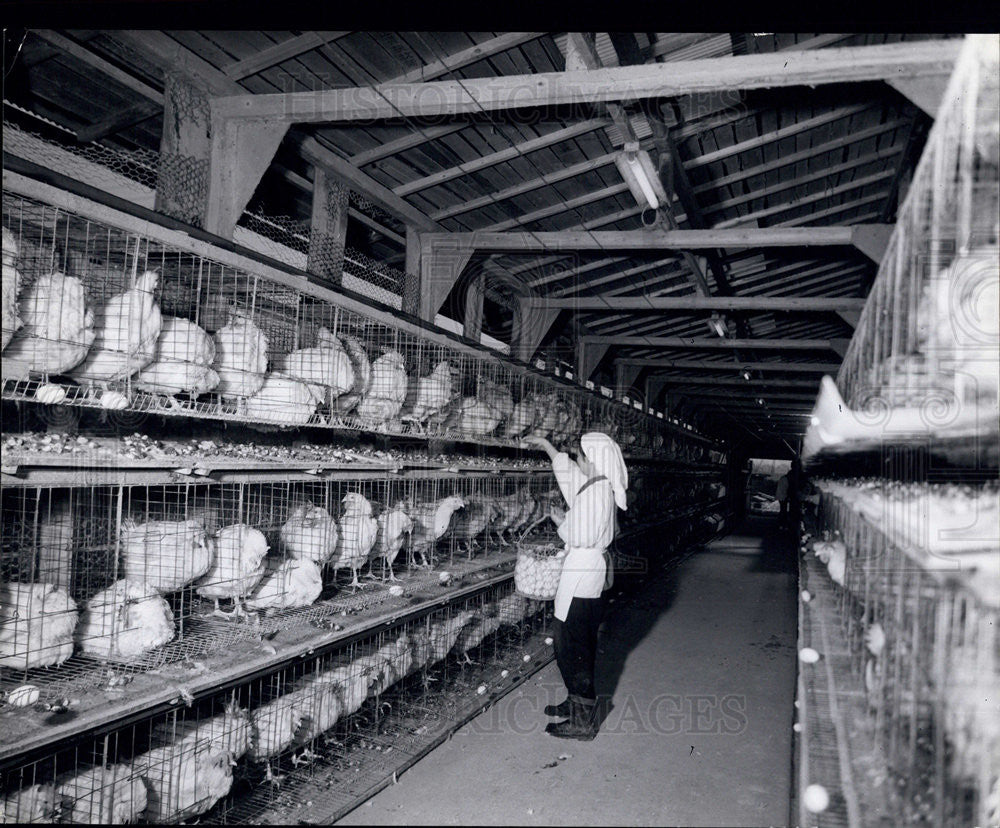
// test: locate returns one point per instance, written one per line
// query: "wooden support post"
(411, 281)
(531, 324)
(625, 376)
(926, 91)
(654, 388)
(442, 261)
(472, 321)
(328, 232)
(185, 148)
(588, 357)
(872, 239)
(241, 152)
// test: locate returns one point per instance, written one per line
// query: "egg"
(815, 798)
(548, 641)
(481, 689)
(504, 673)
(396, 590)
(50, 394)
(806, 597)
(23, 696)
(807, 655)
(527, 657)
(797, 727)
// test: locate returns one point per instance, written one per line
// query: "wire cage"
(923, 358)
(924, 640)
(114, 320)
(308, 739)
(138, 577)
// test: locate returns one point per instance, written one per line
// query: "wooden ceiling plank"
(117, 121)
(465, 57)
(279, 53)
(770, 383)
(623, 83)
(560, 207)
(407, 142)
(70, 47)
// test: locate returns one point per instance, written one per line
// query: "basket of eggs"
(536, 574)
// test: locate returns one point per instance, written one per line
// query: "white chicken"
(166, 554)
(274, 726)
(102, 796)
(240, 358)
(433, 393)
(36, 625)
(358, 530)
(393, 525)
(362, 366)
(430, 522)
(310, 533)
(282, 401)
(58, 327)
(183, 362)
(325, 368)
(36, 804)
(834, 555)
(354, 681)
(485, 622)
(475, 417)
(512, 609)
(9, 319)
(445, 633)
(420, 646)
(317, 700)
(386, 392)
(522, 418)
(476, 517)
(183, 781)
(496, 397)
(398, 654)
(126, 328)
(238, 567)
(287, 584)
(124, 621)
(229, 731)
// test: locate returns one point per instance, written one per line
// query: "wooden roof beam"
(604, 240)
(558, 208)
(801, 382)
(279, 53)
(688, 304)
(908, 59)
(698, 343)
(710, 365)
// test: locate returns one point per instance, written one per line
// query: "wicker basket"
(536, 574)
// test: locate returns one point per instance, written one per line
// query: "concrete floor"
(700, 661)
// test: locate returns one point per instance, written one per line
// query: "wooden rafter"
(279, 53)
(672, 379)
(623, 83)
(558, 208)
(555, 137)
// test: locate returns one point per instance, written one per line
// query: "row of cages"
(923, 357)
(100, 317)
(146, 575)
(927, 651)
(236, 753)
(308, 740)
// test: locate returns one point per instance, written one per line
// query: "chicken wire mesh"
(927, 338)
(926, 647)
(111, 320)
(138, 577)
(332, 726)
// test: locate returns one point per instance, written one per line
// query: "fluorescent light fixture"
(641, 176)
(717, 326)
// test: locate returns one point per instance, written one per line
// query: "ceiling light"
(746, 374)
(632, 159)
(717, 325)
(641, 176)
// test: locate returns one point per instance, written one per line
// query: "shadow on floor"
(639, 600)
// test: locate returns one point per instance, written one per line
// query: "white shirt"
(587, 531)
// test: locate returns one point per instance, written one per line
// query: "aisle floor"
(701, 664)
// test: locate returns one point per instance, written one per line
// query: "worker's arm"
(543, 444)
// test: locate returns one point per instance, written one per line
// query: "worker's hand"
(541, 443)
(557, 515)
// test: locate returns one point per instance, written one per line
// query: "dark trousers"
(783, 514)
(575, 642)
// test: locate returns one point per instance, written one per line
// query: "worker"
(782, 494)
(593, 486)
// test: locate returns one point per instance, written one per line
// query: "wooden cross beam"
(709, 365)
(717, 342)
(909, 59)
(821, 304)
